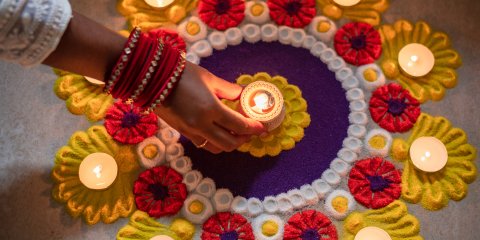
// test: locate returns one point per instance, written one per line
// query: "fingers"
(238, 124)
(224, 89)
(223, 139)
(199, 140)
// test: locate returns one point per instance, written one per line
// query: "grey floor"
(34, 124)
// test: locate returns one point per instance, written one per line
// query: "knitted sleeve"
(31, 29)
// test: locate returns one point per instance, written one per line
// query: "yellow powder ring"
(273, 118)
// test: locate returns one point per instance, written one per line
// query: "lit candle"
(263, 101)
(161, 237)
(98, 171)
(372, 233)
(428, 154)
(159, 3)
(94, 81)
(416, 60)
(346, 3)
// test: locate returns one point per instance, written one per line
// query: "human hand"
(193, 109)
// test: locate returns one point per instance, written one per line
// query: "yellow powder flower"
(443, 75)
(433, 190)
(93, 205)
(139, 14)
(394, 219)
(367, 11)
(291, 129)
(82, 97)
(143, 227)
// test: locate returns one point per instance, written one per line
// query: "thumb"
(227, 90)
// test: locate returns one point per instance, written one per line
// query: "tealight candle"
(416, 60)
(159, 3)
(98, 171)
(428, 154)
(372, 233)
(263, 101)
(346, 3)
(94, 81)
(161, 237)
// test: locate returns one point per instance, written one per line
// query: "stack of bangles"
(146, 72)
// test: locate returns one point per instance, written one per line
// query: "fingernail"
(264, 134)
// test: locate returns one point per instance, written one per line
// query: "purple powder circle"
(328, 107)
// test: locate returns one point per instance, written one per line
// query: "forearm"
(87, 48)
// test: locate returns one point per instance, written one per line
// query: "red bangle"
(149, 74)
(122, 60)
(160, 77)
(171, 80)
(142, 64)
(151, 70)
(130, 69)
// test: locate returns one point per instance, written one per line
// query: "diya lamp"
(159, 3)
(416, 60)
(161, 237)
(372, 233)
(346, 3)
(263, 101)
(98, 171)
(95, 81)
(428, 154)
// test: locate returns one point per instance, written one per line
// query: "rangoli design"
(434, 190)
(82, 97)
(289, 184)
(443, 75)
(93, 206)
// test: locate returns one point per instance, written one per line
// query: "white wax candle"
(98, 171)
(161, 237)
(159, 3)
(428, 154)
(346, 3)
(416, 60)
(372, 233)
(94, 81)
(263, 101)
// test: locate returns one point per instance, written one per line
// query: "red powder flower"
(128, 125)
(309, 224)
(358, 43)
(160, 192)
(168, 35)
(221, 14)
(393, 108)
(373, 184)
(292, 13)
(227, 226)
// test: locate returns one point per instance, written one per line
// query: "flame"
(97, 170)
(261, 100)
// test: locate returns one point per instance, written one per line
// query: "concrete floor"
(34, 124)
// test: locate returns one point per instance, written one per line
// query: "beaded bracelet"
(154, 87)
(142, 60)
(122, 60)
(171, 82)
(131, 74)
(151, 70)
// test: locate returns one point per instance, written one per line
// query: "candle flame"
(160, 3)
(414, 58)
(261, 101)
(97, 170)
(427, 154)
